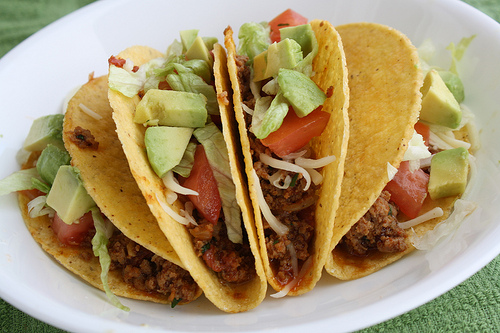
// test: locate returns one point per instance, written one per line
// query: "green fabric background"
(473, 306)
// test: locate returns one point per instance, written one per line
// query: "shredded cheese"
(278, 227)
(278, 164)
(90, 112)
(309, 163)
(36, 207)
(433, 213)
(173, 214)
(172, 184)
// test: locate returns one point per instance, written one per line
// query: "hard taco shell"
(229, 298)
(330, 71)
(385, 99)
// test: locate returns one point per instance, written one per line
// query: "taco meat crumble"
(377, 229)
(234, 263)
(83, 139)
(149, 272)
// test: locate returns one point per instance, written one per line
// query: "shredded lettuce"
(457, 52)
(417, 149)
(262, 104)
(253, 39)
(218, 157)
(186, 164)
(273, 117)
(99, 246)
(18, 181)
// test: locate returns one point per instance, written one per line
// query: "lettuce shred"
(215, 147)
(99, 246)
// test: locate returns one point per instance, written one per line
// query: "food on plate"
(401, 179)
(173, 114)
(291, 96)
(82, 205)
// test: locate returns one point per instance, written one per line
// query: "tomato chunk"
(288, 18)
(424, 131)
(202, 180)
(408, 190)
(295, 132)
(73, 234)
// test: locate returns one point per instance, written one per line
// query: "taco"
(199, 199)
(294, 155)
(116, 244)
(387, 176)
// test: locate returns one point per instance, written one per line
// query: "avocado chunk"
(45, 130)
(300, 91)
(439, 106)
(199, 50)
(302, 34)
(449, 169)
(453, 83)
(165, 146)
(187, 38)
(171, 108)
(49, 162)
(67, 195)
(284, 54)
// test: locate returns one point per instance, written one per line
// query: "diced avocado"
(199, 50)
(171, 108)
(259, 66)
(300, 91)
(67, 196)
(49, 162)
(439, 106)
(209, 42)
(302, 34)
(187, 38)
(449, 169)
(192, 83)
(284, 54)
(165, 146)
(453, 83)
(45, 130)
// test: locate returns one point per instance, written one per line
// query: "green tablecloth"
(473, 306)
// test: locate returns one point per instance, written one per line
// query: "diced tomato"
(295, 132)
(424, 131)
(288, 18)
(408, 190)
(202, 180)
(72, 234)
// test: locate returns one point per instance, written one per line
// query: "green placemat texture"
(473, 306)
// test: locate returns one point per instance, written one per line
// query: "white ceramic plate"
(36, 76)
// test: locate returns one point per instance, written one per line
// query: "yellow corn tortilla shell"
(105, 172)
(330, 72)
(385, 98)
(116, 193)
(229, 298)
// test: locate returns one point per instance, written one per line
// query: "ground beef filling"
(234, 263)
(292, 206)
(377, 230)
(83, 139)
(148, 272)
